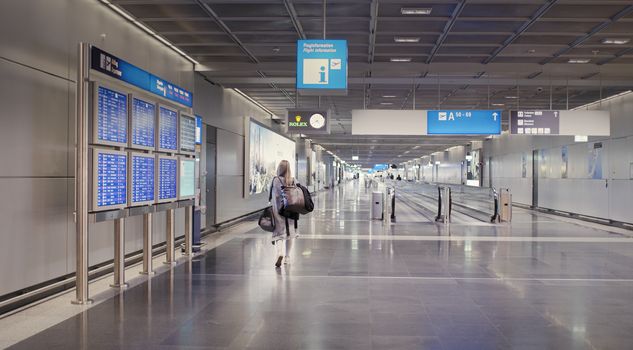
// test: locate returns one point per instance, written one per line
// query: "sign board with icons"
(308, 122)
(535, 122)
(464, 122)
(322, 67)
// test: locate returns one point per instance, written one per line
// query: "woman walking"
(282, 237)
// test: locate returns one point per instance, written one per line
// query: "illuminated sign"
(308, 122)
(464, 122)
(322, 67)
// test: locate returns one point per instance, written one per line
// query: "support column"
(119, 255)
(147, 245)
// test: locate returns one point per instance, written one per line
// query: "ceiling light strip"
(241, 93)
(586, 106)
(147, 30)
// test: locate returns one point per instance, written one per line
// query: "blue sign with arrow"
(463, 122)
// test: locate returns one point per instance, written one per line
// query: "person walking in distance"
(282, 237)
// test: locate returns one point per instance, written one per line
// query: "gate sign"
(308, 122)
(535, 122)
(464, 122)
(322, 67)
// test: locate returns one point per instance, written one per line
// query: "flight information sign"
(110, 179)
(167, 130)
(322, 66)
(187, 133)
(187, 178)
(111, 117)
(198, 130)
(142, 174)
(535, 122)
(381, 167)
(143, 124)
(464, 122)
(167, 177)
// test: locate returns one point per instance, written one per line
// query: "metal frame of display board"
(88, 82)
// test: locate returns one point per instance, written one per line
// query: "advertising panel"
(595, 161)
(265, 149)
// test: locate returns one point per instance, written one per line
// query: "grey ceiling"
(470, 54)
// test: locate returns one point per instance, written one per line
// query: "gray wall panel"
(34, 224)
(230, 151)
(33, 124)
(230, 203)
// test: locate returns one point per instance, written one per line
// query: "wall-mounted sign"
(381, 167)
(535, 122)
(464, 122)
(322, 67)
(308, 122)
(117, 68)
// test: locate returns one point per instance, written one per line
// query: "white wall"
(610, 197)
(38, 64)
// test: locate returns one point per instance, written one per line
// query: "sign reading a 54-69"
(322, 67)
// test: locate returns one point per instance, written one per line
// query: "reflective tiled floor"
(540, 283)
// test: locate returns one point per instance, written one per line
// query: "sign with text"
(308, 122)
(117, 68)
(535, 122)
(322, 67)
(464, 122)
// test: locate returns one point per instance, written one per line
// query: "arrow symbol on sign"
(494, 115)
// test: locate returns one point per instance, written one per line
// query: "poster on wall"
(564, 162)
(524, 165)
(266, 149)
(595, 161)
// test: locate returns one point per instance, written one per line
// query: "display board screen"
(142, 176)
(167, 177)
(167, 129)
(111, 117)
(110, 179)
(266, 149)
(187, 178)
(187, 134)
(143, 123)
(198, 130)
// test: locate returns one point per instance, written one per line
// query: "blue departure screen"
(167, 174)
(111, 116)
(168, 129)
(187, 134)
(111, 179)
(142, 178)
(143, 120)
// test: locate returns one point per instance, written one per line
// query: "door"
(535, 169)
(210, 182)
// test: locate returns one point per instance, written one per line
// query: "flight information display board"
(167, 179)
(187, 134)
(143, 121)
(109, 183)
(167, 129)
(142, 173)
(186, 178)
(110, 117)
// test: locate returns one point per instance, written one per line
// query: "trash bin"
(377, 205)
(505, 203)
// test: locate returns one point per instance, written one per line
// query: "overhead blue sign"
(381, 167)
(322, 65)
(117, 68)
(198, 130)
(463, 122)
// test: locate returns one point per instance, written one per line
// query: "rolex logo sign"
(307, 122)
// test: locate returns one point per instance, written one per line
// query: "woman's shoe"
(279, 259)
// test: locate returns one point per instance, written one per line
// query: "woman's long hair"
(284, 171)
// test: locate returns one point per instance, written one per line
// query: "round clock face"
(317, 121)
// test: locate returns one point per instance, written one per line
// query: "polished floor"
(540, 283)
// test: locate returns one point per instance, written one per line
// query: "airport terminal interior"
(316, 174)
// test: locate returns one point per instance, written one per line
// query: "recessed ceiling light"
(400, 59)
(386, 103)
(498, 104)
(579, 60)
(512, 97)
(615, 41)
(388, 96)
(406, 39)
(415, 10)
(354, 157)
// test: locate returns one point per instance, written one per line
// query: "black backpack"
(307, 199)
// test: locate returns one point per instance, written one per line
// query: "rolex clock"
(317, 121)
